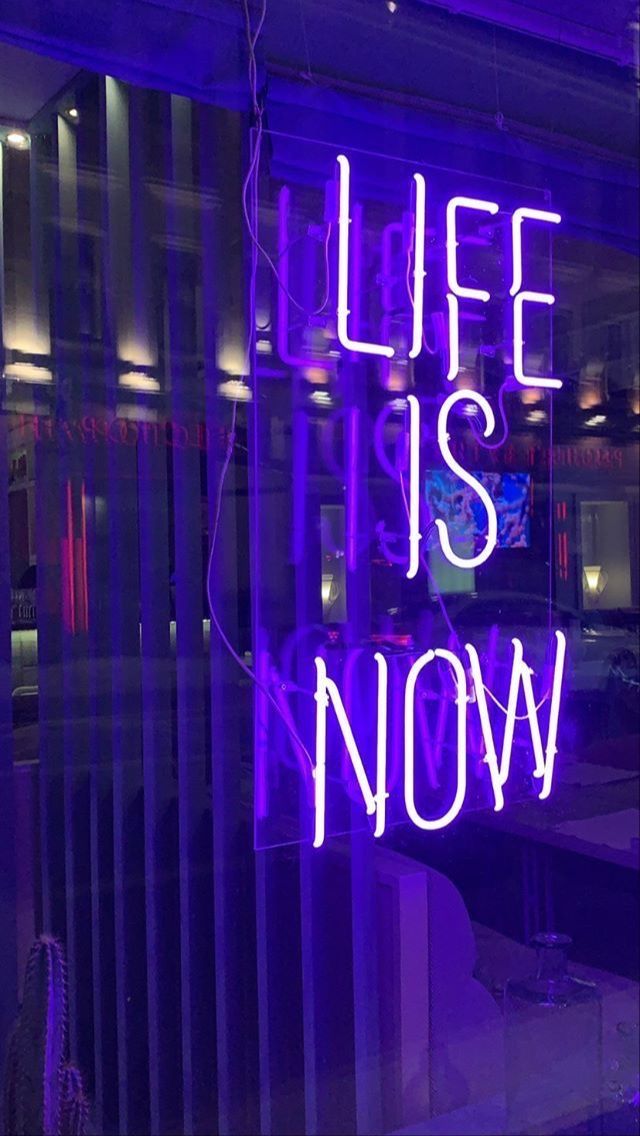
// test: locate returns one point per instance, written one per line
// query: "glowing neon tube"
(491, 757)
(326, 694)
(418, 267)
(464, 475)
(452, 244)
(554, 712)
(381, 746)
(409, 747)
(343, 271)
(454, 336)
(414, 486)
(518, 340)
(455, 288)
(521, 677)
(519, 216)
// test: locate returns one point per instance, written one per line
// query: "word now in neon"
(470, 689)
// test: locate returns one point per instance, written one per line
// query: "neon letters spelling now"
(470, 687)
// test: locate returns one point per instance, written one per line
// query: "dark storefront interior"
(207, 511)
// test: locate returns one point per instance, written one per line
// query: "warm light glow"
(591, 386)
(27, 373)
(328, 590)
(321, 398)
(235, 389)
(138, 380)
(592, 576)
(418, 266)
(518, 341)
(343, 310)
(231, 356)
(17, 140)
(464, 475)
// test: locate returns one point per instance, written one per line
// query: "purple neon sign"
(429, 726)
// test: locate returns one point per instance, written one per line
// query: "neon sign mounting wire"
(252, 40)
(214, 618)
(252, 172)
(505, 425)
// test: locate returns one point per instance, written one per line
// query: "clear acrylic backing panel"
(401, 504)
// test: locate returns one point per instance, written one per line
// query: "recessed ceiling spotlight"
(235, 389)
(398, 405)
(321, 398)
(73, 113)
(392, 6)
(17, 139)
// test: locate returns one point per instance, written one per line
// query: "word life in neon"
(470, 690)
(456, 291)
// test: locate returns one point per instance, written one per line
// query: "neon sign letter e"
(521, 298)
(457, 290)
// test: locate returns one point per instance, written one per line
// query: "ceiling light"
(398, 405)
(536, 416)
(73, 112)
(321, 398)
(235, 389)
(392, 6)
(138, 380)
(25, 372)
(18, 140)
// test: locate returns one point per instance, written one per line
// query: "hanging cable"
(252, 38)
(254, 166)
